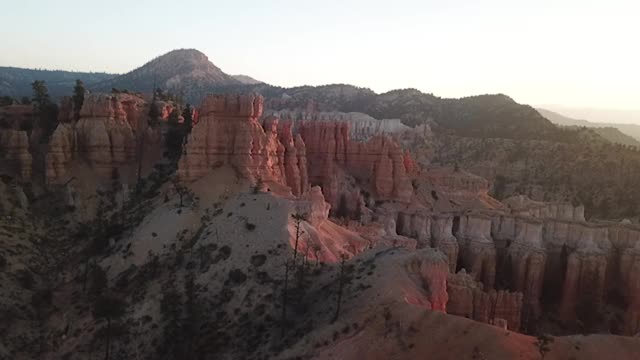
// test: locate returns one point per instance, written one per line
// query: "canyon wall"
(231, 130)
(467, 298)
(571, 266)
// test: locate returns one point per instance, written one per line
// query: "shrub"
(237, 276)
(250, 226)
(258, 260)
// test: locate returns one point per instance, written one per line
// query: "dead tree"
(284, 297)
(316, 252)
(343, 258)
(181, 190)
(298, 218)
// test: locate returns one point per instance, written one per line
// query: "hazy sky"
(579, 53)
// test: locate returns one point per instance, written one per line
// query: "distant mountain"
(16, 82)
(482, 116)
(596, 114)
(627, 134)
(185, 71)
(245, 79)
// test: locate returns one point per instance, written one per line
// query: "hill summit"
(186, 71)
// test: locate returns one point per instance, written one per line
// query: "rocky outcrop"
(467, 298)
(584, 283)
(415, 223)
(429, 270)
(378, 164)
(314, 207)
(103, 136)
(295, 153)
(442, 238)
(315, 236)
(523, 206)
(294, 157)
(521, 264)
(14, 147)
(362, 127)
(228, 132)
(60, 152)
(478, 252)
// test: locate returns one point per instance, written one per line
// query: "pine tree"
(78, 99)
(47, 110)
(41, 97)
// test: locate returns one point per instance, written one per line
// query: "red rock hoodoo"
(103, 137)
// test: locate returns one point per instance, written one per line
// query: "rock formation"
(378, 164)
(103, 136)
(478, 252)
(521, 264)
(442, 238)
(428, 269)
(228, 132)
(584, 283)
(295, 154)
(14, 147)
(466, 298)
(295, 158)
(415, 224)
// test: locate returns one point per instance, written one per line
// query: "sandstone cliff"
(112, 131)
(296, 154)
(228, 132)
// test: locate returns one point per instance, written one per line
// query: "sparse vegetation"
(543, 343)
(78, 98)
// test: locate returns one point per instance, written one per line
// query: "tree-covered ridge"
(16, 82)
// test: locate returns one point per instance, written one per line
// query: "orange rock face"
(294, 157)
(429, 270)
(296, 154)
(228, 132)
(378, 162)
(103, 137)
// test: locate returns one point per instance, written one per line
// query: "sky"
(564, 52)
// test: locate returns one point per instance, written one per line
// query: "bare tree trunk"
(295, 247)
(341, 285)
(284, 296)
